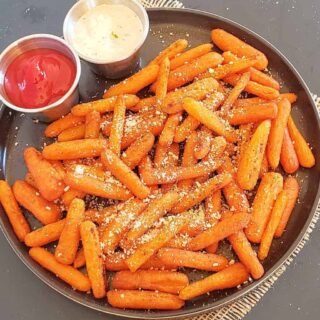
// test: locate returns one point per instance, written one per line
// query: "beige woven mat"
(237, 310)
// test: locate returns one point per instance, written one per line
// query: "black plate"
(18, 130)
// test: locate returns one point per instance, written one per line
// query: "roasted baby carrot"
(269, 188)
(124, 174)
(71, 194)
(93, 257)
(275, 139)
(157, 280)
(68, 274)
(288, 157)
(73, 133)
(140, 299)
(168, 132)
(80, 259)
(70, 237)
(161, 85)
(28, 197)
(44, 235)
(291, 187)
(203, 145)
(92, 125)
(230, 277)
(18, 221)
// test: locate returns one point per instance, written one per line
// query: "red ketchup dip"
(38, 78)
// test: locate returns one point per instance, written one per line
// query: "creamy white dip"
(107, 33)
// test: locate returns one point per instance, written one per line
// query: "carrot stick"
(158, 280)
(103, 216)
(254, 113)
(44, 235)
(195, 260)
(116, 229)
(198, 194)
(291, 187)
(228, 42)
(76, 149)
(269, 188)
(250, 161)
(73, 133)
(68, 274)
(93, 257)
(203, 145)
(28, 197)
(235, 92)
(230, 277)
(303, 151)
(92, 125)
(145, 104)
(168, 132)
(17, 220)
(267, 237)
(161, 85)
(104, 105)
(80, 259)
(94, 186)
(28, 178)
(254, 88)
(213, 207)
(71, 194)
(140, 299)
(156, 209)
(48, 181)
(56, 127)
(264, 165)
(288, 157)
(257, 101)
(70, 237)
(124, 174)
(135, 83)
(220, 231)
(171, 51)
(188, 56)
(197, 224)
(138, 150)
(276, 133)
(160, 155)
(144, 251)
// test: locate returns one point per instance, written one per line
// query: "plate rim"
(176, 314)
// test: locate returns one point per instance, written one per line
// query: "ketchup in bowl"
(38, 78)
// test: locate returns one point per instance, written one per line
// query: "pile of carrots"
(179, 166)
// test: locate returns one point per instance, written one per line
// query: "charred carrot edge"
(92, 125)
(104, 105)
(275, 216)
(17, 220)
(275, 139)
(80, 259)
(288, 157)
(304, 153)
(138, 150)
(28, 197)
(291, 187)
(250, 162)
(158, 280)
(93, 257)
(161, 85)
(44, 235)
(167, 135)
(73, 133)
(269, 188)
(195, 260)
(68, 274)
(230, 277)
(124, 174)
(203, 145)
(56, 127)
(171, 51)
(140, 299)
(135, 83)
(220, 231)
(69, 150)
(228, 42)
(68, 244)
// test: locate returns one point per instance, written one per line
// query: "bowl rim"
(66, 95)
(145, 25)
(182, 313)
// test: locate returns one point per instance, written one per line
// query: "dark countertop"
(294, 28)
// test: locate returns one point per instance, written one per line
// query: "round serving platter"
(167, 25)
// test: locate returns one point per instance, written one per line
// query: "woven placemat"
(237, 310)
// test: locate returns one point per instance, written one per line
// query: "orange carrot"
(70, 237)
(103, 216)
(18, 221)
(203, 145)
(213, 207)
(168, 132)
(92, 125)
(269, 188)
(71, 194)
(73, 133)
(93, 257)
(160, 155)
(80, 259)
(257, 101)
(288, 156)
(28, 197)
(264, 165)
(291, 187)
(68, 274)
(276, 133)
(230, 277)
(161, 85)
